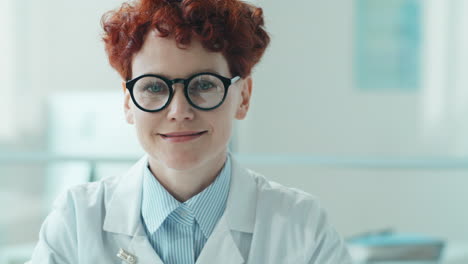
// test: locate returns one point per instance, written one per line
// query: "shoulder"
(291, 210)
(87, 195)
(74, 210)
(283, 197)
(98, 194)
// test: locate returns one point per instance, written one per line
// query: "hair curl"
(232, 27)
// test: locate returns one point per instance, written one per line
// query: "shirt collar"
(207, 206)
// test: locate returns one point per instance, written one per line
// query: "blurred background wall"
(378, 152)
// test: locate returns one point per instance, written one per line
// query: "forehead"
(162, 56)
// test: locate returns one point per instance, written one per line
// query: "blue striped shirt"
(178, 231)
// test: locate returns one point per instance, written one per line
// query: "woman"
(186, 68)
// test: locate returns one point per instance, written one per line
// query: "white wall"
(59, 49)
(311, 57)
(6, 70)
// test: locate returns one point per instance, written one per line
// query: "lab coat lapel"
(220, 247)
(238, 216)
(123, 216)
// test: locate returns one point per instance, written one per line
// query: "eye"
(203, 86)
(155, 87)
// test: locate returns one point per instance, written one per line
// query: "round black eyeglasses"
(204, 91)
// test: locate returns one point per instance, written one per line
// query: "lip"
(182, 136)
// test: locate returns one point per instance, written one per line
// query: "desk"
(454, 253)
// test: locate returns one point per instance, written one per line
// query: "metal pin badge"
(127, 257)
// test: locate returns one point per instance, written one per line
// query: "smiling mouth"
(182, 134)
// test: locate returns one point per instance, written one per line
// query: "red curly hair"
(232, 27)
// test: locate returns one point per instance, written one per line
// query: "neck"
(184, 184)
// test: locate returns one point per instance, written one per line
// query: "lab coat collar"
(124, 208)
(239, 215)
(123, 214)
(220, 248)
(241, 204)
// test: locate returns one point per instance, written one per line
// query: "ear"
(246, 93)
(128, 105)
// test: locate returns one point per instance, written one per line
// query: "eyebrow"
(189, 75)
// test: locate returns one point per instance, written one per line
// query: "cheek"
(145, 123)
(222, 123)
(225, 128)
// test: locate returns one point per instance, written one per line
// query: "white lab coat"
(264, 222)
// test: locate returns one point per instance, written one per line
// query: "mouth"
(182, 134)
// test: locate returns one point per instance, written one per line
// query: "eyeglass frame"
(227, 82)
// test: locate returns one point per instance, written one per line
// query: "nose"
(179, 108)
